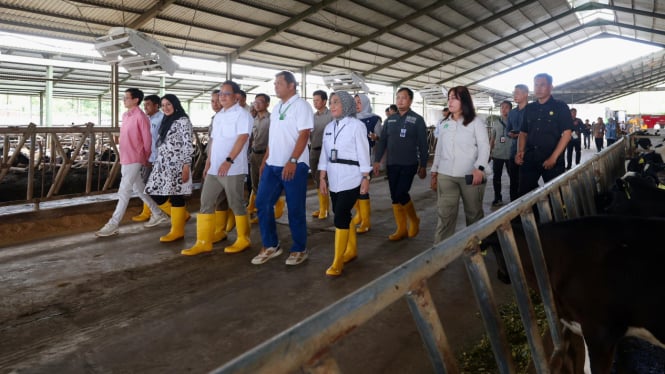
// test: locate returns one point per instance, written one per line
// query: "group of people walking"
(531, 139)
(342, 145)
(277, 150)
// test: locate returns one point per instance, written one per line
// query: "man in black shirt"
(544, 135)
(404, 138)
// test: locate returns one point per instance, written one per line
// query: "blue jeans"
(270, 188)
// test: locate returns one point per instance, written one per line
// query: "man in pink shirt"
(135, 148)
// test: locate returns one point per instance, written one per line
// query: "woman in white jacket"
(344, 168)
(461, 156)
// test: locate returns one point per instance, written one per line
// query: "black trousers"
(497, 169)
(400, 178)
(514, 174)
(532, 169)
(177, 201)
(599, 144)
(342, 203)
(573, 144)
(587, 141)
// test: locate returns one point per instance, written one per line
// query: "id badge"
(502, 139)
(402, 133)
(333, 155)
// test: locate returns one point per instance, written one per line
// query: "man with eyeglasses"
(225, 172)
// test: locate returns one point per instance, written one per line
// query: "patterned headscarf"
(348, 104)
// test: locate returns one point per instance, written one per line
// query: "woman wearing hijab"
(457, 170)
(171, 173)
(345, 162)
(373, 125)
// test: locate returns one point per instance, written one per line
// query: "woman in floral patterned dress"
(171, 173)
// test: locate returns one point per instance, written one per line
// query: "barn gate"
(571, 195)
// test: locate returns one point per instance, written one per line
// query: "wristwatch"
(481, 168)
(229, 159)
(293, 160)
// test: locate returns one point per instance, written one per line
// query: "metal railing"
(52, 153)
(307, 344)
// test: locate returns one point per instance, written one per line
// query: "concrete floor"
(129, 304)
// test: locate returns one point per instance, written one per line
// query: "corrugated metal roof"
(411, 42)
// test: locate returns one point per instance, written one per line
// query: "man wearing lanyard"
(500, 150)
(404, 137)
(285, 168)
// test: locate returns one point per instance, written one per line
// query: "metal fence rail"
(55, 151)
(306, 345)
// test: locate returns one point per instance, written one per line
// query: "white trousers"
(131, 181)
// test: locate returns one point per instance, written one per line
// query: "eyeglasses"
(226, 93)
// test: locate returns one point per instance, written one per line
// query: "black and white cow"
(636, 196)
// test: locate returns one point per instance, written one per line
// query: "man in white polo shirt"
(225, 172)
(285, 168)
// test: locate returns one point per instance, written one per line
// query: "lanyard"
(336, 133)
(504, 126)
(283, 114)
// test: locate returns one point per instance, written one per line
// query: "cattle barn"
(129, 304)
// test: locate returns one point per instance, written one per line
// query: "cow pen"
(573, 194)
(57, 151)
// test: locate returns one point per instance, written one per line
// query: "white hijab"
(366, 110)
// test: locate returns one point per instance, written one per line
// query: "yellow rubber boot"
(365, 213)
(242, 240)
(315, 213)
(414, 221)
(230, 221)
(341, 239)
(205, 226)
(178, 218)
(351, 251)
(166, 208)
(251, 206)
(324, 205)
(219, 233)
(279, 207)
(400, 220)
(144, 215)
